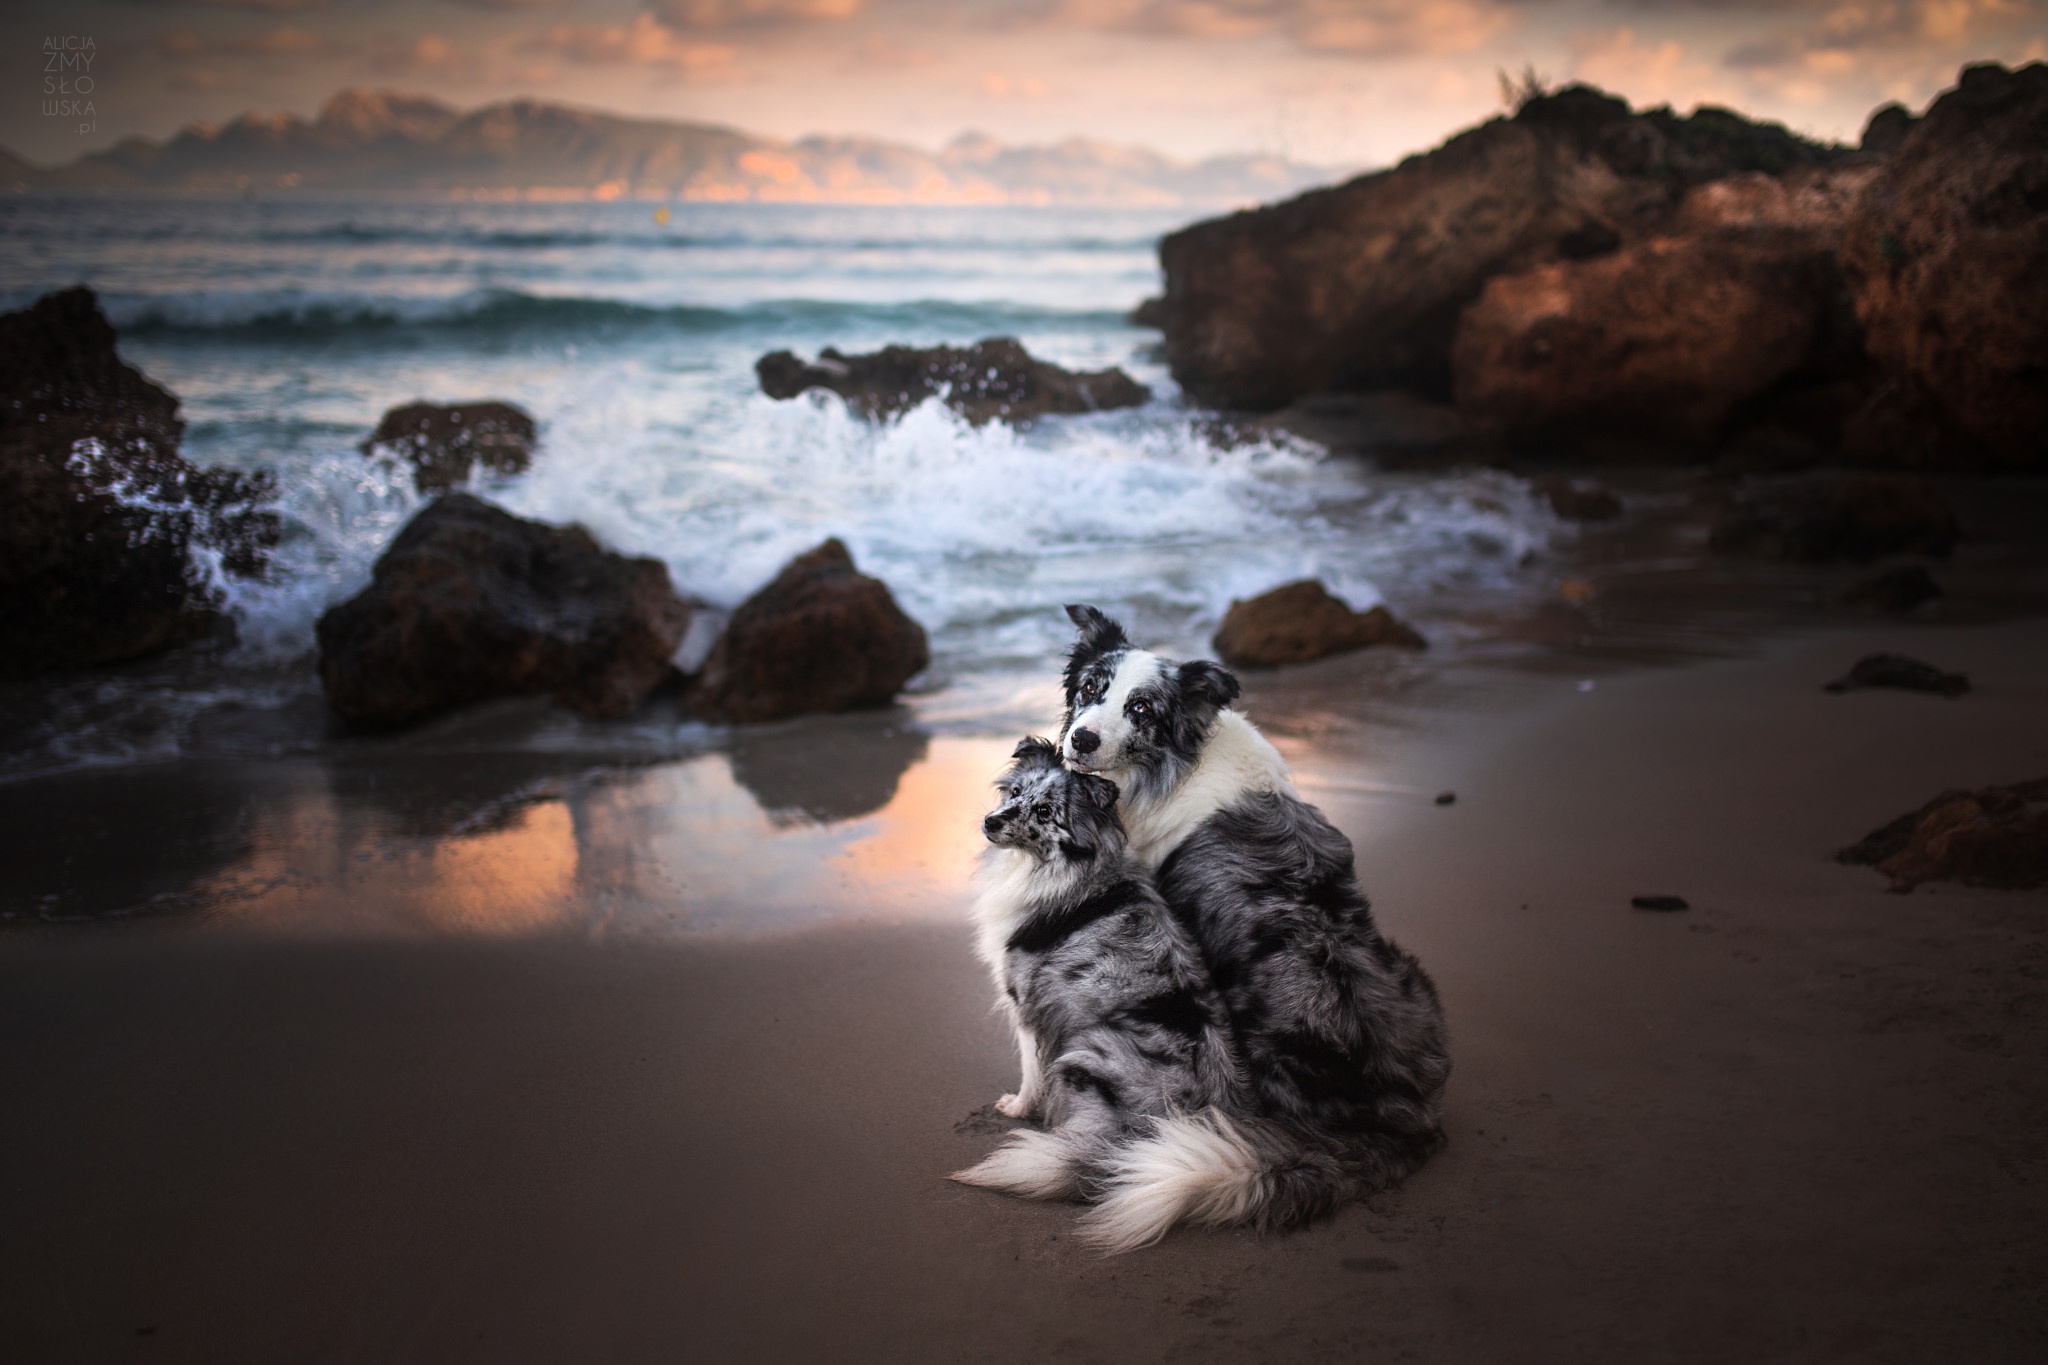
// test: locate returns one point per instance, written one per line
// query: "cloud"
(1838, 34)
(1378, 28)
(274, 6)
(1647, 72)
(714, 14)
(427, 55)
(645, 42)
(282, 41)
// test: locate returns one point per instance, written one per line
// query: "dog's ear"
(1035, 752)
(1208, 683)
(1098, 792)
(1099, 634)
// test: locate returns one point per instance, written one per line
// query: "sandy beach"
(1801, 1121)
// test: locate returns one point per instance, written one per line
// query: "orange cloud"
(644, 42)
(1363, 27)
(753, 13)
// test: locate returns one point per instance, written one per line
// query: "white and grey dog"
(1129, 1065)
(1341, 1032)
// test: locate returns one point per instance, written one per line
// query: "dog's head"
(1051, 812)
(1130, 711)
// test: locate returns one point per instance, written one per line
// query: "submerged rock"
(443, 443)
(823, 636)
(470, 603)
(1578, 499)
(1298, 622)
(1361, 286)
(1993, 836)
(1816, 518)
(1949, 251)
(990, 380)
(100, 516)
(1896, 670)
(1895, 592)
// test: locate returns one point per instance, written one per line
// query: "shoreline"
(1798, 1121)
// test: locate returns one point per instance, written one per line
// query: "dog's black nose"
(992, 826)
(1085, 741)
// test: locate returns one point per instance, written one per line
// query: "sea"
(288, 326)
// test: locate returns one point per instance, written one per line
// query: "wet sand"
(1804, 1120)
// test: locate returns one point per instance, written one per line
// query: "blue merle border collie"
(1341, 1032)
(1129, 1064)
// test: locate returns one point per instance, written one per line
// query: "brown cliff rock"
(1949, 252)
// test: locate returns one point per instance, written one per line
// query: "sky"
(1344, 83)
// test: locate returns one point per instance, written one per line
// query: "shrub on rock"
(443, 443)
(823, 636)
(99, 513)
(470, 603)
(1301, 621)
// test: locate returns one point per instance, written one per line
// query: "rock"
(822, 637)
(1361, 286)
(1578, 499)
(1949, 254)
(1895, 592)
(1301, 621)
(1994, 836)
(990, 380)
(470, 603)
(1389, 426)
(1886, 130)
(99, 513)
(1666, 903)
(1896, 670)
(443, 443)
(1149, 313)
(1816, 518)
(1660, 342)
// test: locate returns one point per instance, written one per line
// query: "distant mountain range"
(383, 142)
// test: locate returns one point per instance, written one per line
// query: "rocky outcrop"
(1361, 286)
(470, 603)
(1949, 251)
(992, 380)
(1896, 591)
(1994, 836)
(823, 636)
(100, 516)
(1657, 343)
(1302, 621)
(444, 443)
(1817, 518)
(1900, 673)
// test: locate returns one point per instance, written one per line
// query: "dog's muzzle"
(1085, 741)
(992, 825)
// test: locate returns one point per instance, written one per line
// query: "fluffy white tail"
(1206, 1168)
(1033, 1163)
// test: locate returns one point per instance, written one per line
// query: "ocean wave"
(262, 313)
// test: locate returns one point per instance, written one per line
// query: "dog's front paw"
(1014, 1107)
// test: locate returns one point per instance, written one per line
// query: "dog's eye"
(1042, 811)
(1141, 709)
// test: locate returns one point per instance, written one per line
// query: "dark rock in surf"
(1578, 499)
(1898, 671)
(1895, 592)
(443, 443)
(823, 636)
(992, 380)
(471, 603)
(1949, 254)
(1814, 519)
(104, 526)
(1993, 836)
(1298, 622)
(1361, 286)
(1666, 904)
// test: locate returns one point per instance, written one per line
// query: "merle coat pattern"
(1341, 1031)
